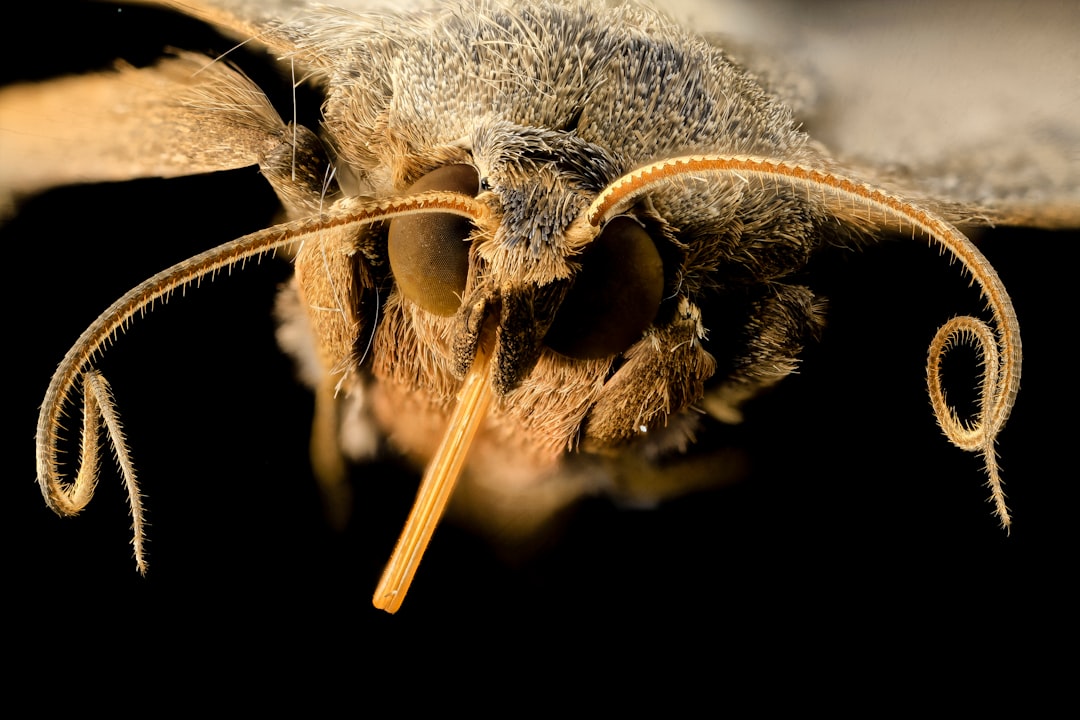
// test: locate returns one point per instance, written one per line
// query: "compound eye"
(615, 295)
(429, 252)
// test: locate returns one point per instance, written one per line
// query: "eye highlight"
(429, 252)
(615, 296)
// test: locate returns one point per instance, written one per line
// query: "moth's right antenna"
(1001, 355)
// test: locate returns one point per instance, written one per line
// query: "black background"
(860, 529)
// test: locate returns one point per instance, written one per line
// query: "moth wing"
(962, 102)
(133, 123)
(138, 122)
(258, 19)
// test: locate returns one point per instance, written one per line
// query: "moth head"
(597, 294)
(583, 290)
(546, 280)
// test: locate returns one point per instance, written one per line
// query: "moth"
(537, 248)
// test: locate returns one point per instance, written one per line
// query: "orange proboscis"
(438, 484)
